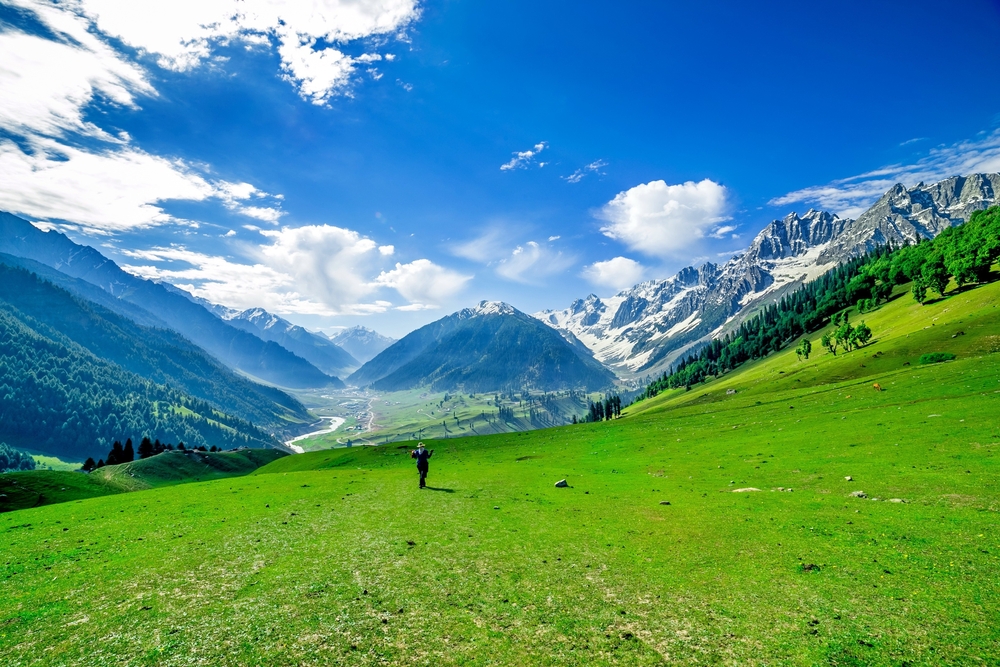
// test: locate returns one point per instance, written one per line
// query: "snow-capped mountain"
(644, 329)
(362, 343)
(317, 349)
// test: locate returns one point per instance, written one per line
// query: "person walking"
(422, 456)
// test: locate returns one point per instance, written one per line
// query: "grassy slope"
(42, 487)
(20, 490)
(313, 562)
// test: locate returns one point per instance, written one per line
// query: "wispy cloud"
(849, 197)
(524, 159)
(532, 262)
(592, 168)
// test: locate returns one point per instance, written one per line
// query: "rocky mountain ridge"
(644, 329)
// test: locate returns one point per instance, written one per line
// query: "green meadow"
(788, 513)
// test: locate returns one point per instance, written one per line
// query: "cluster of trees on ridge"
(963, 253)
(13, 460)
(147, 448)
(609, 408)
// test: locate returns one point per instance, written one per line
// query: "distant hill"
(362, 343)
(490, 347)
(236, 348)
(318, 350)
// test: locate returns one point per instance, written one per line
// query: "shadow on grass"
(431, 488)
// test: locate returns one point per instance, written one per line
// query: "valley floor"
(764, 555)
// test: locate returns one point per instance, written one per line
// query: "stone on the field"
(664, 502)
(562, 484)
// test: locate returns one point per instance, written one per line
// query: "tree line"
(963, 253)
(14, 460)
(147, 448)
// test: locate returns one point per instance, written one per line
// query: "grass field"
(335, 557)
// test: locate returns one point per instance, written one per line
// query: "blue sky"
(384, 163)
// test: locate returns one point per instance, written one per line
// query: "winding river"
(335, 423)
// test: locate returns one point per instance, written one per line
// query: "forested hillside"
(159, 355)
(964, 253)
(57, 396)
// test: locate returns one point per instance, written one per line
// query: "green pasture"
(336, 557)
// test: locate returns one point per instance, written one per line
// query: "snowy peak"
(644, 329)
(487, 308)
(362, 343)
(260, 318)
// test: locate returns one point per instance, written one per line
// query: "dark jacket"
(421, 458)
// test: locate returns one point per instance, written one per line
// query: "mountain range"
(644, 329)
(172, 307)
(490, 347)
(317, 349)
(362, 343)
(75, 375)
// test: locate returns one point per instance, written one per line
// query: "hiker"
(422, 455)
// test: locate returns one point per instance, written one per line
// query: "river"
(335, 423)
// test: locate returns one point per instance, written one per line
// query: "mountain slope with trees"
(963, 253)
(58, 397)
(159, 355)
(236, 348)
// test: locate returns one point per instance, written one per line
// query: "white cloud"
(386, 250)
(531, 262)
(618, 273)
(664, 220)
(522, 159)
(47, 83)
(423, 281)
(111, 190)
(52, 79)
(104, 190)
(315, 270)
(721, 231)
(849, 197)
(230, 233)
(554, 238)
(310, 36)
(592, 168)
(330, 263)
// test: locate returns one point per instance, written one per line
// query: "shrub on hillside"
(936, 357)
(12, 460)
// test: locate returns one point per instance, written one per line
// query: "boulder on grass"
(562, 484)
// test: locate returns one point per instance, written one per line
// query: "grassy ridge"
(43, 487)
(337, 557)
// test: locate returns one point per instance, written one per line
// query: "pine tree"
(128, 455)
(89, 465)
(145, 448)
